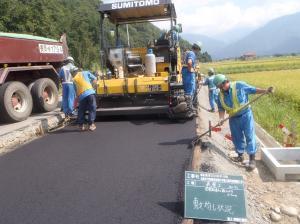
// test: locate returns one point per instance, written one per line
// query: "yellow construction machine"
(145, 79)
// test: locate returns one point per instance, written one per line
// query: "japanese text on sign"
(50, 49)
(214, 197)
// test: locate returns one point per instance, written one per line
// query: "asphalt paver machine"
(145, 79)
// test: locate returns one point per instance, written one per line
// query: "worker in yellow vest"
(232, 96)
(83, 82)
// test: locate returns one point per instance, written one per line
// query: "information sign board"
(213, 196)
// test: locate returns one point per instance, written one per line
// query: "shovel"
(212, 128)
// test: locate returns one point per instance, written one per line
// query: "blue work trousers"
(212, 95)
(68, 97)
(189, 82)
(88, 103)
(243, 132)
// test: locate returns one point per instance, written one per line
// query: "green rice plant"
(270, 64)
(271, 111)
(286, 83)
(281, 107)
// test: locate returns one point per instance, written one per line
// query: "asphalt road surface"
(127, 171)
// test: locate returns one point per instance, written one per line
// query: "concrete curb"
(37, 128)
(195, 160)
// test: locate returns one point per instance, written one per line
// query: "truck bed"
(22, 48)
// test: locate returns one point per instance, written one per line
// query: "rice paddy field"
(263, 64)
(283, 73)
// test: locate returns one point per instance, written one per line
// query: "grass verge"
(270, 111)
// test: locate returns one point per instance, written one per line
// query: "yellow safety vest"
(236, 105)
(81, 84)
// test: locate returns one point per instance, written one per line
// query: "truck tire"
(15, 102)
(34, 110)
(45, 95)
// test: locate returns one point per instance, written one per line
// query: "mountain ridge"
(279, 36)
(283, 31)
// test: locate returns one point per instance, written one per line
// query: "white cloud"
(268, 12)
(212, 17)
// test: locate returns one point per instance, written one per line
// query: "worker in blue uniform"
(83, 83)
(68, 91)
(212, 89)
(231, 97)
(189, 78)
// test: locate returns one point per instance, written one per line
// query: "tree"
(79, 19)
(205, 57)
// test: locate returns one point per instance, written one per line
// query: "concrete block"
(284, 163)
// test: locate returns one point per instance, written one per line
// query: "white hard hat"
(69, 58)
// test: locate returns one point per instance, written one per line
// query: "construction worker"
(173, 36)
(212, 89)
(231, 97)
(68, 91)
(83, 82)
(189, 78)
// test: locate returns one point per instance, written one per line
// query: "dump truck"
(28, 74)
(144, 79)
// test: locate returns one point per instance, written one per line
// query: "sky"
(214, 17)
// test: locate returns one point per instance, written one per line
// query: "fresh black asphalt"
(130, 170)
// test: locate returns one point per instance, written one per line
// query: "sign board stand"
(213, 196)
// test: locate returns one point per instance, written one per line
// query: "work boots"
(239, 158)
(92, 127)
(252, 163)
(82, 127)
(190, 109)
